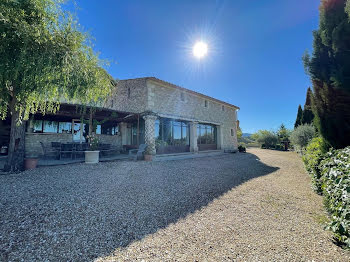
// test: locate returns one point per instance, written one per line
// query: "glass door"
(77, 130)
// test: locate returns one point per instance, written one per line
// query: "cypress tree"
(308, 115)
(299, 117)
(329, 69)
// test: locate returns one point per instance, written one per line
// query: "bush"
(279, 147)
(335, 178)
(241, 149)
(266, 138)
(312, 158)
(302, 135)
(330, 173)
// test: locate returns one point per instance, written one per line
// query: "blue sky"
(254, 58)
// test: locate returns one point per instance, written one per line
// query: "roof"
(185, 90)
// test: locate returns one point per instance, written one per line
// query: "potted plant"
(30, 162)
(92, 155)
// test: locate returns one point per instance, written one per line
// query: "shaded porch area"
(64, 135)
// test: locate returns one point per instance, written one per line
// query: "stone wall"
(108, 139)
(33, 146)
(167, 101)
(122, 100)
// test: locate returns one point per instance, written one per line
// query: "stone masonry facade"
(153, 96)
(152, 99)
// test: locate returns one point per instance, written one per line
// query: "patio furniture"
(138, 154)
(67, 149)
(49, 151)
(56, 145)
(80, 149)
(107, 149)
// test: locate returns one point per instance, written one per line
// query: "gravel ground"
(243, 207)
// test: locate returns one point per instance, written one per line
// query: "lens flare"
(200, 49)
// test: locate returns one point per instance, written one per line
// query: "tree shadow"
(85, 212)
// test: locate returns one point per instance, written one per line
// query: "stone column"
(124, 134)
(30, 124)
(193, 137)
(220, 140)
(150, 141)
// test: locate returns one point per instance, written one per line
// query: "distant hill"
(246, 135)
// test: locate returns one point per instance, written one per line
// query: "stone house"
(168, 118)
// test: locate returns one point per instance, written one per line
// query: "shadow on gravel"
(80, 212)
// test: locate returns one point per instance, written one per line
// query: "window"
(182, 96)
(232, 132)
(98, 130)
(112, 103)
(129, 92)
(223, 108)
(206, 134)
(172, 133)
(110, 130)
(47, 126)
(205, 103)
(50, 126)
(38, 126)
(65, 127)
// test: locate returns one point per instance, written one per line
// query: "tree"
(239, 133)
(299, 117)
(302, 135)
(308, 115)
(329, 69)
(283, 133)
(45, 59)
(265, 137)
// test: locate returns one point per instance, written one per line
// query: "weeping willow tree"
(45, 59)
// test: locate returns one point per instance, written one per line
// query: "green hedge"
(312, 159)
(330, 174)
(335, 178)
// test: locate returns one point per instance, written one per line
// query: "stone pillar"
(150, 141)
(193, 137)
(124, 133)
(220, 138)
(30, 124)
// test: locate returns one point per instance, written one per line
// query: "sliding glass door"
(206, 137)
(172, 136)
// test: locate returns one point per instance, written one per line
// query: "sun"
(200, 49)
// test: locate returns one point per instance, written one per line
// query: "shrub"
(312, 158)
(335, 177)
(241, 149)
(266, 138)
(93, 142)
(302, 135)
(279, 147)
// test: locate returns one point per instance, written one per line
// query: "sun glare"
(200, 49)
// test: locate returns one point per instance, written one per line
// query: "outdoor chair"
(56, 145)
(67, 149)
(138, 154)
(49, 151)
(108, 149)
(80, 150)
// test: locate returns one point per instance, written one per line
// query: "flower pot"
(148, 157)
(30, 163)
(92, 157)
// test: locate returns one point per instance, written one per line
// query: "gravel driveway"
(244, 207)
